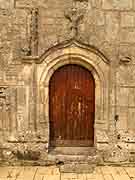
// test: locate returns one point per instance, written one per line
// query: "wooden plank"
(72, 105)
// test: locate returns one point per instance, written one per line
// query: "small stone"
(5, 4)
(127, 35)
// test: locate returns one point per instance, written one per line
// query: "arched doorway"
(72, 106)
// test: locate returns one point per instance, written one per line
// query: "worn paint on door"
(72, 106)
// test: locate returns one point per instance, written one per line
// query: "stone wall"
(29, 30)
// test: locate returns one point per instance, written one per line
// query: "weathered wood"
(72, 107)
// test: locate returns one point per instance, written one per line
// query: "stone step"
(73, 151)
(77, 168)
(65, 159)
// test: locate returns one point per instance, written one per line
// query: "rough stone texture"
(34, 37)
(112, 26)
(53, 173)
(127, 19)
(117, 4)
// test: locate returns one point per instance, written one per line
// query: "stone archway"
(87, 57)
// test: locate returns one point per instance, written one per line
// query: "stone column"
(33, 99)
(112, 112)
(32, 33)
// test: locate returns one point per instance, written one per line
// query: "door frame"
(89, 59)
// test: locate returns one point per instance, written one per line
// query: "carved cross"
(74, 16)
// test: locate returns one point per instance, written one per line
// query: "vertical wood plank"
(72, 106)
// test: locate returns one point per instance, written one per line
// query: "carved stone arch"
(71, 59)
(73, 53)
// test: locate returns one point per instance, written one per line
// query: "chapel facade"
(67, 84)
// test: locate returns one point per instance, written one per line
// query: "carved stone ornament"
(31, 48)
(4, 99)
(74, 16)
(125, 59)
(116, 154)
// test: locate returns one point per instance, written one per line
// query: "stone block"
(96, 37)
(49, 171)
(100, 21)
(66, 176)
(112, 96)
(19, 16)
(25, 3)
(42, 3)
(131, 101)
(6, 17)
(55, 177)
(122, 96)
(117, 4)
(102, 146)
(122, 122)
(6, 4)
(112, 26)
(50, 21)
(131, 119)
(126, 50)
(125, 77)
(127, 36)
(5, 172)
(109, 49)
(96, 3)
(76, 168)
(101, 137)
(93, 176)
(132, 158)
(127, 19)
(47, 13)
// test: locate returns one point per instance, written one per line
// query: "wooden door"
(72, 107)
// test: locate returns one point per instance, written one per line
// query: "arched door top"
(65, 45)
(85, 57)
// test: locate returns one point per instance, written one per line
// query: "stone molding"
(68, 43)
(71, 52)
